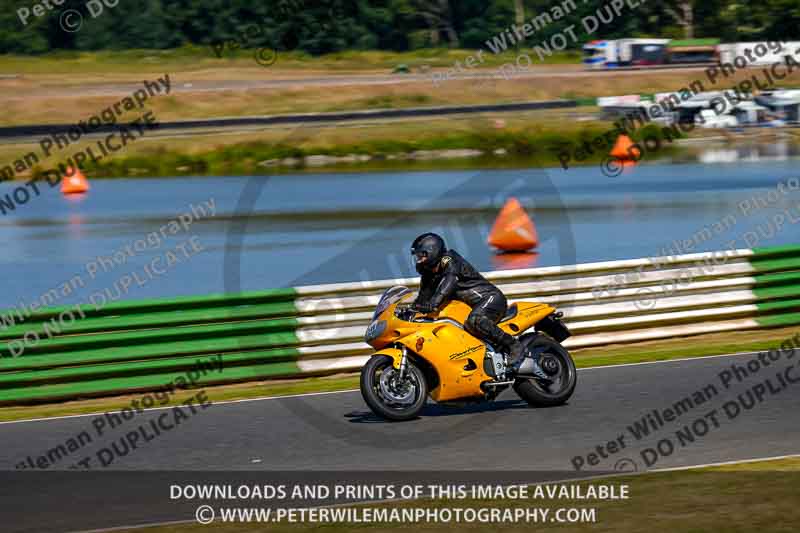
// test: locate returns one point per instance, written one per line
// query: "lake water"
(279, 231)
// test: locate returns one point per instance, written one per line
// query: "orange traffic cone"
(513, 231)
(625, 150)
(74, 182)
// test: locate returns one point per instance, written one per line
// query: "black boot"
(516, 354)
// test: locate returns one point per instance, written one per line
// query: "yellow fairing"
(394, 353)
(457, 357)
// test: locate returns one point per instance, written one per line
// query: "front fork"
(403, 363)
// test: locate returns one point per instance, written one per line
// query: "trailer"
(624, 53)
(692, 51)
(653, 52)
(759, 53)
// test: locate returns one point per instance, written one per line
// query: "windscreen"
(389, 297)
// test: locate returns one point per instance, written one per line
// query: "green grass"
(195, 57)
(387, 102)
(690, 347)
(590, 357)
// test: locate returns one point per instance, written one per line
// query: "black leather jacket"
(454, 279)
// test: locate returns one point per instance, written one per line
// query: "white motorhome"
(784, 103)
(707, 110)
(769, 53)
(624, 53)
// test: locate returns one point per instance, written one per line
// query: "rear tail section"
(554, 327)
(527, 314)
(524, 315)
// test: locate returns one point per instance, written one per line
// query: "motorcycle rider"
(445, 275)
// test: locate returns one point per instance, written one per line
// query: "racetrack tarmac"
(335, 431)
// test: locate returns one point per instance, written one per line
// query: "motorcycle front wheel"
(389, 396)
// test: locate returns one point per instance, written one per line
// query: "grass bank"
(713, 344)
(472, 143)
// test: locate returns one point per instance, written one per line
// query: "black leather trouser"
(482, 321)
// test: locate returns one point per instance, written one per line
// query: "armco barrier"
(143, 345)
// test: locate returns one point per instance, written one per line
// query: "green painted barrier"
(152, 320)
(161, 335)
(147, 306)
(150, 351)
(775, 251)
(778, 305)
(776, 265)
(784, 320)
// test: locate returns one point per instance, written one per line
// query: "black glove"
(424, 308)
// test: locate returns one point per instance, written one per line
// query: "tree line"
(325, 26)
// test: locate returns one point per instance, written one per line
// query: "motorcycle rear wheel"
(388, 397)
(559, 362)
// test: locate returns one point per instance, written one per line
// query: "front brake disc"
(392, 392)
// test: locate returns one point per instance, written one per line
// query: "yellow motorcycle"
(421, 355)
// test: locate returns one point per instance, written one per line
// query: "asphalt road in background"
(337, 432)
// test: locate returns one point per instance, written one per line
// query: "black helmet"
(428, 249)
